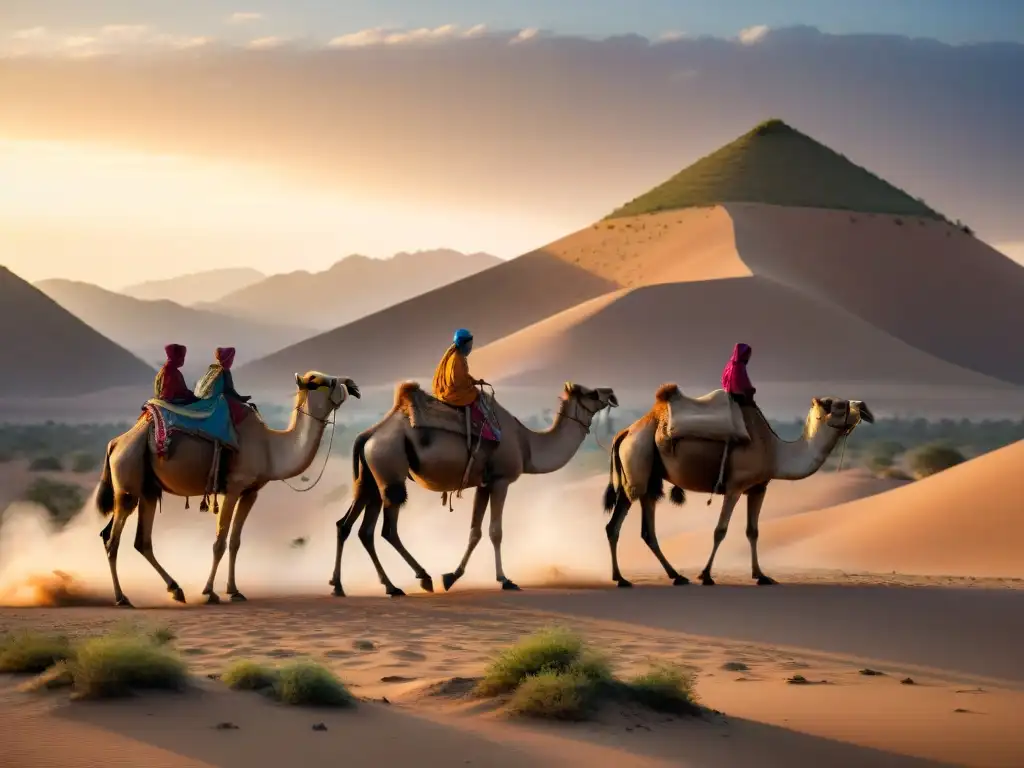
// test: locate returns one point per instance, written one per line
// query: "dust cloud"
(553, 535)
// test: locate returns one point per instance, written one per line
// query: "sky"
(144, 138)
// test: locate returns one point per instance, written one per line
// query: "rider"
(218, 381)
(169, 384)
(735, 380)
(454, 386)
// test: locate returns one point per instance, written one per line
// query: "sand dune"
(408, 339)
(48, 351)
(966, 521)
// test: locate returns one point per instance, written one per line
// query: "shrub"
(62, 500)
(85, 462)
(45, 464)
(245, 675)
(554, 696)
(163, 636)
(934, 458)
(106, 667)
(306, 683)
(32, 652)
(551, 650)
(666, 688)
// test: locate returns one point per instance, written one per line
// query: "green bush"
(932, 459)
(32, 652)
(551, 650)
(245, 675)
(666, 688)
(306, 683)
(45, 464)
(62, 500)
(117, 665)
(554, 695)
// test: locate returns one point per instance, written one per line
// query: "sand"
(397, 650)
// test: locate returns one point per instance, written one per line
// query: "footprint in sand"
(334, 653)
(735, 666)
(196, 651)
(408, 655)
(364, 645)
(281, 653)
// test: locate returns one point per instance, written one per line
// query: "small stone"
(907, 681)
(871, 672)
(319, 727)
(226, 726)
(384, 700)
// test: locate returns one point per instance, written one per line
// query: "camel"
(134, 476)
(652, 450)
(393, 450)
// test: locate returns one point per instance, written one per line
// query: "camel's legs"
(614, 526)
(755, 499)
(480, 499)
(123, 508)
(224, 516)
(144, 544)
(728, 505)
(366, 530)
(345, 526)
(389, 532)
(245, 504)
(650, 537)
(499, 491)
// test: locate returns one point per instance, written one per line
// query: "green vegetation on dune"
(301, 683)
(777, 165)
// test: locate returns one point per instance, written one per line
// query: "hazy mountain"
(197, 287)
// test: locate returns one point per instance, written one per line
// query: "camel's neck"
(292, 450)
(553, 448)
(802, 458)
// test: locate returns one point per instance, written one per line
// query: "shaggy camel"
(134, 476)
(643, 455)
(393, 450)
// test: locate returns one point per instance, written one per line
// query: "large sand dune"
(966, 521)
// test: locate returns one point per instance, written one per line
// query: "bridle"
(592, 413)
(332, 420)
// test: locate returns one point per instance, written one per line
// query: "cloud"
(265, 43)
(108, 39)
(539, 127)
(525, 34)
(752, 35)
(387, 36)
(244, 17)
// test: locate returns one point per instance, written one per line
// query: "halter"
(593, 415)
(332, 420)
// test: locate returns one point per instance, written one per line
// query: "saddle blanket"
(427, 412)
(714, 416)
(207, 419)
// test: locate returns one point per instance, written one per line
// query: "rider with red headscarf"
(735, 380)
(169, 384)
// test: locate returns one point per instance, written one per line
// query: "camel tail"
(614, 473)
(360, 468)
(105, 489)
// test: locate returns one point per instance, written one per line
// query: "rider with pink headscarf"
(218, 381)
(735, 380)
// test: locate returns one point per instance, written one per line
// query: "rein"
(327, 457)
(586, 427)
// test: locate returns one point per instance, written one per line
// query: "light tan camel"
(645, 454)
(134, 476)
(393, 450)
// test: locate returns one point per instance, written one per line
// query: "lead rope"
(327, 456)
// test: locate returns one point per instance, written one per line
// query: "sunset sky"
(142, 138)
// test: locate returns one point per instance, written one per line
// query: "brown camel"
(671, 443)
(436, 458)
(134, 476)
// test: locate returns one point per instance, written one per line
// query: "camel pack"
(714, 416)
(427, 412)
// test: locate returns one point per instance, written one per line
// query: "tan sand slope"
(684, 331)
(354, 287)
(197, 287)
(48, 351)
(968, 520)
(144, 327)
(409, 338)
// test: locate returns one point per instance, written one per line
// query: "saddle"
(714, 416)
(427, 412)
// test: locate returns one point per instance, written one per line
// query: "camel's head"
(839, 414)
(588, 402)
(324, 393)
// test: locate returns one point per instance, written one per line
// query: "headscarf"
(175, 355)
(225, 356)
(461, 337)
(734, 375)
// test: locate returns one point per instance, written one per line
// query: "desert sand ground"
(956, 636)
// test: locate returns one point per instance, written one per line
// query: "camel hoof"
(427, 584)
(177, 593)
(510, 586)
(449, 580)
(706, 580)
(123, 602)
(395, 592)
(238, 597)
(765, 581)
(623, 584)
(338, 591)
(679, 581)
(212, 598)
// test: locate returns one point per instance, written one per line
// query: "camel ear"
(298, 381)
